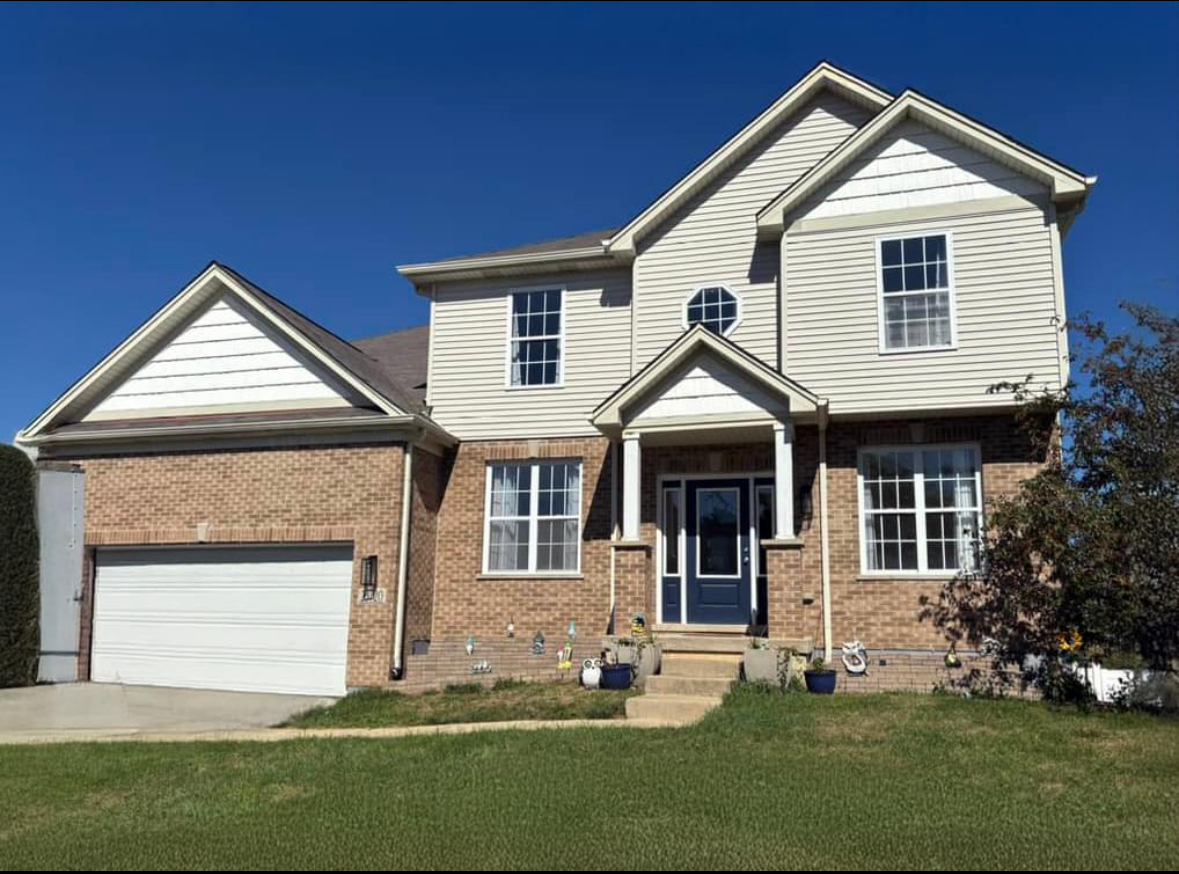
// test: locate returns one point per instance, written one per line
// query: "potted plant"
(624, 650)
(643, 655)
(820, 679)
(760, 664)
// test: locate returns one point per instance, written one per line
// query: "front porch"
(718, 470)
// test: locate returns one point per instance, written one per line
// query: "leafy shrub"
(19, 580)
(1083, 561)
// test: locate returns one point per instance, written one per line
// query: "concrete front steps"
(692, 682)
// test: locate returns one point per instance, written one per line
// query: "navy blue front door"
(717, 557)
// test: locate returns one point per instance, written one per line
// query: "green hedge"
(20, 597)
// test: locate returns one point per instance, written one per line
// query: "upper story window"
(921, 509)
(532, 522)
(916, 290)
(534, 355)
(713, 306)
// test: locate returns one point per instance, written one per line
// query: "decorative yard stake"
(538, 644)
(470, 644)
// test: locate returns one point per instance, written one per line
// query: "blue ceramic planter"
(616, 676)
(820, 682)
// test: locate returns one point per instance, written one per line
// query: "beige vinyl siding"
(706, 386)
(714, 238)
(916, 166)
(1006, 318)
(224, 359)
(468, 348)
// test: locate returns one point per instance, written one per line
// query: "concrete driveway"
(100, 710)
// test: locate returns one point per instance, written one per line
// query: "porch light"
(368, 578)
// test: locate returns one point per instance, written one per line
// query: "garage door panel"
(245, 603)
(252, 619)
(181, 671)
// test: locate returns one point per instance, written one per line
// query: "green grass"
(768, 781)
(507, 700)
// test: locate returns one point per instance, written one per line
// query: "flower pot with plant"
(820, 679)
(643, 654)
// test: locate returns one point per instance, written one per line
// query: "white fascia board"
(143, 334)
(118, 354)
(608, 415)
(345, 375)
(822, 75)
(1064, 182)
(459, 268)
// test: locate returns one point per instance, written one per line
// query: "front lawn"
(507, 700)
(766, 782)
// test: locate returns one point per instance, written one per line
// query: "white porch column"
(783, 481)
(632, 462)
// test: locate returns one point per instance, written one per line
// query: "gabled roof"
(1065, 183)
(823, 75)
(353, 368)
(609, 416)
(360, 365)
(616, 245)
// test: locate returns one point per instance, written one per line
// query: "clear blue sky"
(313, 147)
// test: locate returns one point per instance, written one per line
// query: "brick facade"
(286, 495)
(352, 494)
(883, 613)
(430, 474)
(468, 603)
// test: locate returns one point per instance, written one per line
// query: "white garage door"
(255, 619)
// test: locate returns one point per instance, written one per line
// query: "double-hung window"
(533, 518)
(534, 352)
(921, 509)
(916, 293)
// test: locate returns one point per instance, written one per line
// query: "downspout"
(824, 551)
(403, 562)
(613, 526)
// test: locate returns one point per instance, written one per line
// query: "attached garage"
(253, 619)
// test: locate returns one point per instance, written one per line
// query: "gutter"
(403, 563)
(417, 272)
(239, 429)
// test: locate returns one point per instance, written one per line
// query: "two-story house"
(759, 406)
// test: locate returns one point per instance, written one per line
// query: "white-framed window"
(535, 337)
(715, 307)
(915, 277)
(532, 518)
(920, 509)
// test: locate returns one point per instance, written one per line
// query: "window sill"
(540, 386)
(919, 350)
(529, 577)
(914, 577)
